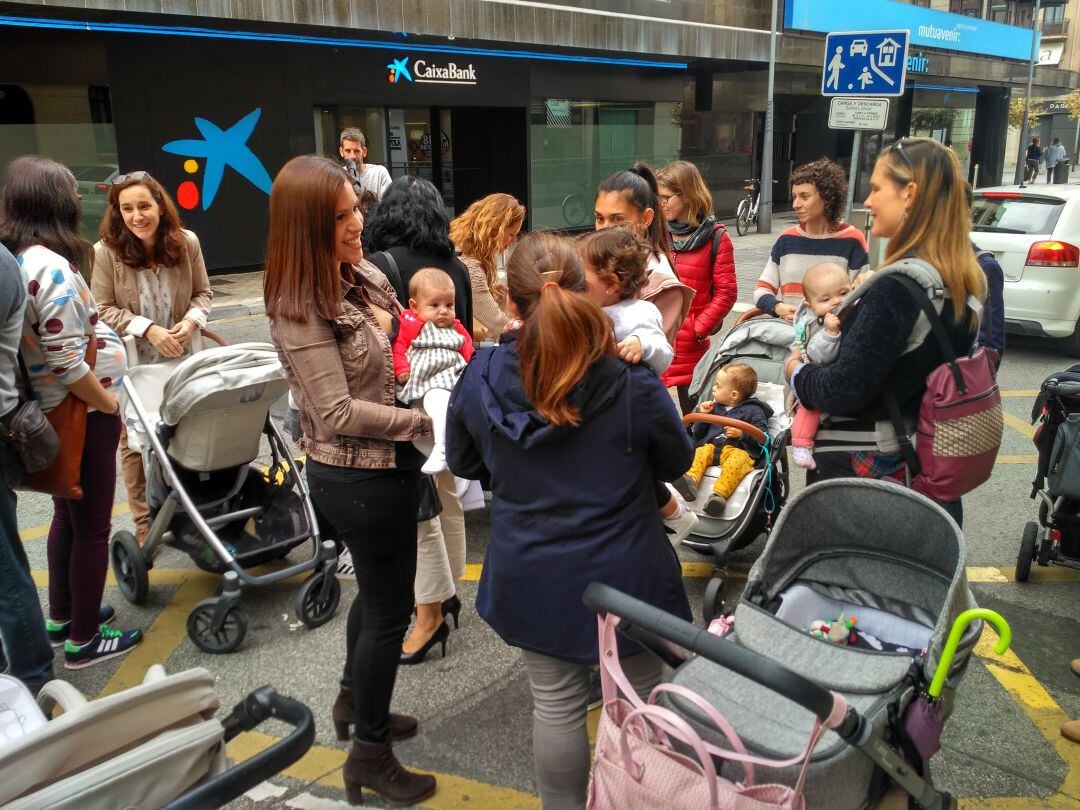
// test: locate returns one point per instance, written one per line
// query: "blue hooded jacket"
(570, 505)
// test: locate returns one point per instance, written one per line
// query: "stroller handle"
(260, 705)
(643, 616)
(715, 419)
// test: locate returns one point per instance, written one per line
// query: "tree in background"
(1016, 113)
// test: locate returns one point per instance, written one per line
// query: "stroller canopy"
(762, 343)
(211, 371)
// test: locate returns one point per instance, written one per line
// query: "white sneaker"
(436, 462)
(345, 569)
(680, 526)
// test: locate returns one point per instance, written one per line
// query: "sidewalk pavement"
(238, 295)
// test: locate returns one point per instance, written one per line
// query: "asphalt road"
(1001, 747)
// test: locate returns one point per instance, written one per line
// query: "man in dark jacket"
(732, 396)
(992, 327)
(1033, 158)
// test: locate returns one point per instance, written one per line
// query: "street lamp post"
(1021, 163)
(766, 201)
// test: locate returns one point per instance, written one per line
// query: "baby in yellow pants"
(732, 396)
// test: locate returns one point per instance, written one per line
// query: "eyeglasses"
(900, 151)
(123, 178)
(666, 198)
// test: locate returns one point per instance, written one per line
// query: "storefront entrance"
(467, 152)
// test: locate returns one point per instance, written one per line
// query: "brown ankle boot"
(402, 726)
(374, 766)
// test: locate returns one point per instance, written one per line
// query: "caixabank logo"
(424, 71)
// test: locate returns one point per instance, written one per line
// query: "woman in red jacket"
(704, 260)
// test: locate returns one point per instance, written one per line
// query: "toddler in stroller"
(1056, 536)
(857, 548)
(198, 423)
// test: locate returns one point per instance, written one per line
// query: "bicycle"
(746, 214)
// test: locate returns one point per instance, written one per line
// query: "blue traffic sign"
(865, 63)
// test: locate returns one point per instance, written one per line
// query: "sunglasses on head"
(123, 178)
(899, 144)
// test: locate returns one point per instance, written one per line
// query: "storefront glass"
(71, 124)
(576, 144)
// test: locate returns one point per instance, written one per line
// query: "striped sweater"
(795, 252)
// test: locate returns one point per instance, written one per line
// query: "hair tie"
(547, 284)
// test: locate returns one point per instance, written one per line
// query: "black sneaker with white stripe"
(58, 631)
(106, 643)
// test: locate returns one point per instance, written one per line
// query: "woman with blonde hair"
(484, 230)
(150, 282)
(570, 443)
(704, 260)
(918, 203)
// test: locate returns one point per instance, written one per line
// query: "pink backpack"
(960, 423)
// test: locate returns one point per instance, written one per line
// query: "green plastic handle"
(958, 628)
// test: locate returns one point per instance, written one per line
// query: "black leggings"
(373, 512)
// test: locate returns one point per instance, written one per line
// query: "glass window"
(71, 124)
(1012, 213)
(576, 144)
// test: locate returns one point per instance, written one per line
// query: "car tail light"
(1055, 535)
(101, 187)
(1001, 195)
(1053, 254)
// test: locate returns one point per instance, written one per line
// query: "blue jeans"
(22, 625)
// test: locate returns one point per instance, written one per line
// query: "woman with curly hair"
(818, 192)
(485, 229)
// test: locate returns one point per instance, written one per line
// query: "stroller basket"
(1063, 475)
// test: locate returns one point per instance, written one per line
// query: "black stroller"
(1055, 539)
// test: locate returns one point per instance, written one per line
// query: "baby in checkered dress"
(430, 352)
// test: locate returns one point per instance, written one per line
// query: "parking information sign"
(858, 113)
(865, 63)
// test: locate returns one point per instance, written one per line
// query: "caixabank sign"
(429, 71)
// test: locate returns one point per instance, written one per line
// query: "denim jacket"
(341, 374)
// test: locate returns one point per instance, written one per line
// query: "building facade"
(540, 99)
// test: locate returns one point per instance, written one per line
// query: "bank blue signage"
(929, 29)
(865, 63)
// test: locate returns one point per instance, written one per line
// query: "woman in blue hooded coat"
(570, 440)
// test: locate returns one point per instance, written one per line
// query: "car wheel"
(1070, 346)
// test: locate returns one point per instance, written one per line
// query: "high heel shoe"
(343, 713)
(452, 606)
(438, 637)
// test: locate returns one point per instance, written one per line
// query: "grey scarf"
(685, 236)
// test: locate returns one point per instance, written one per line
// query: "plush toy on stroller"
(1055, 539)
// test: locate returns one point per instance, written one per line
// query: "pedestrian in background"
(570, 443)
(411, 231)
(704, 260)
(352, 147)
(331, 316)
(486, 229)
(818, 195)
(22, 626)
(1055, 154)
(150, 282)
(1032, 158)
(69, 351)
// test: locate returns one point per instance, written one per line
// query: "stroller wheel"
(200, 627)
(1046, 552)
(129, 567)
(314, 606)
(1027, 552)
(713, 602)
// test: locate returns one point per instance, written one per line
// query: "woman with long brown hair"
(570, 443)
(69, 351)
(483, 231)
(150, 282)
(331, 314)
(919, 203)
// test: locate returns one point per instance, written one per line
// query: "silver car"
(1035, 234)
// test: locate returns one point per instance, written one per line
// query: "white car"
(1035, 234)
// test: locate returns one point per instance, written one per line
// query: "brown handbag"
(62, 478)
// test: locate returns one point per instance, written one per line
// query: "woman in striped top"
(818, 192)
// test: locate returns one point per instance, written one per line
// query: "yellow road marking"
(34, 532)
(1018, 424)
(1027, 392)
(323, 765)
(1045, 714)
(1033, 459)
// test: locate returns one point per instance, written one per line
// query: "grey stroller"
(848, 548)
(763, 343)
(199, 422)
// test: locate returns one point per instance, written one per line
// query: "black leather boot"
(402, 726)
(374, 766)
